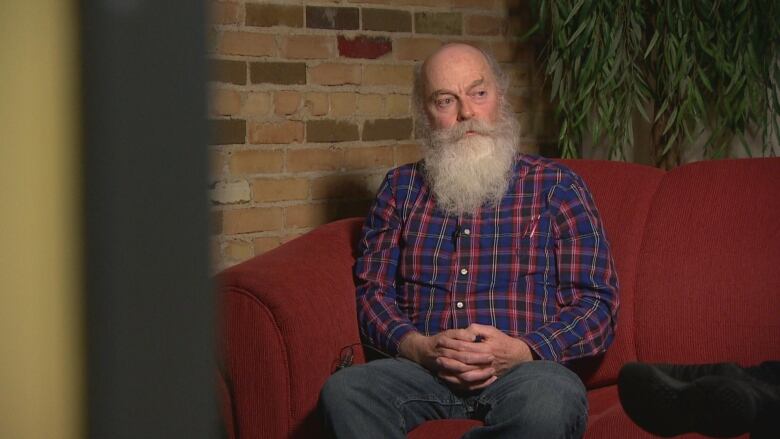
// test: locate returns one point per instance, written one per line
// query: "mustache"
(459, 130)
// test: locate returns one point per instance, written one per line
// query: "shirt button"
(464, 271)
(459, 305)
(467, 232)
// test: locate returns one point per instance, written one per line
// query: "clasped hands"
(467, 359)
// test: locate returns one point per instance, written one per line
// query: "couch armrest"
(286, 316)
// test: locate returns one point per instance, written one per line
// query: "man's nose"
(465, 111)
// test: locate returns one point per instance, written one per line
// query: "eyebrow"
(441, 91)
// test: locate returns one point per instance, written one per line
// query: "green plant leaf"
(573, 12)
(577, 33)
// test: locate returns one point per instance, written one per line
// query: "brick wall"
(310, 105)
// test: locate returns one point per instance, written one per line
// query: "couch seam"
(639, 257)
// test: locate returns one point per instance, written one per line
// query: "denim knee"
(344, 386)
(541, 400)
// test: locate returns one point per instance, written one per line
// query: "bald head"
(458, 82)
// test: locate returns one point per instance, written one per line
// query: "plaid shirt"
(536, 266)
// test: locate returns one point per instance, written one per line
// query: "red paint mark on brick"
(364, 47)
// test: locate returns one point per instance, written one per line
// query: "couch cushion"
(623, 193)
(708, 285)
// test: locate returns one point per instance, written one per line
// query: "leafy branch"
(705, 68)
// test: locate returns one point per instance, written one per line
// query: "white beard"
(468, 172)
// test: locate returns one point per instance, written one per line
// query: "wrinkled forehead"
(454, 67)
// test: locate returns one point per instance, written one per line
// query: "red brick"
(236, 251)
(315, 159)
(440, 23)
(286, 102)
(279, 189)
(364, 47)
(247, 43)
(485, 25)
(342, 105)
(227, 131)
(339, 186)
(506, 51)
(316, 103)
(284, 132)
(381, 129)
(259, 219)
(331, 131)
(368, 157)
(387, 20)
(266, 243)
(407, 153)
(262, 15)
(223, 13)
(335, 74)
(232, 72)
(371, 105)
(307, 215)
(278, 72)
(256, 161)
(384, 74)
(414, 49)
(224, 102)
(307, 47)
(398, 105)
(332, 18)
(257, 104)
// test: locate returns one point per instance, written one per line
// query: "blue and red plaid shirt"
(537, 266)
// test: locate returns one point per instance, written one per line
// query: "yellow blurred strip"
(41, 352)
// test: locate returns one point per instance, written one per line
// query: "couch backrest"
(623, 193)
(708, 275)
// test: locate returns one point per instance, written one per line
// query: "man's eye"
(481, 93)
(443, 102)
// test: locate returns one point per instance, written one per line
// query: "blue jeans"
(388, 398)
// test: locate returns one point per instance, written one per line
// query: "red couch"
(698, 255)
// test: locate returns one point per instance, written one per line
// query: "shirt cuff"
(395, 336)
(541, 346)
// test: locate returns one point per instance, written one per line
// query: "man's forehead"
(456, 66)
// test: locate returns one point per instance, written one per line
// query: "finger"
(459, 345)
(483, 384)
(472, 358)
(477, 375)
(460, 334)
(451, 378)
(471, 381)
(455, 366)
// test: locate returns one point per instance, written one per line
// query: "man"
(480, 272)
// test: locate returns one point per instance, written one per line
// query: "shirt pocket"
(534, 247)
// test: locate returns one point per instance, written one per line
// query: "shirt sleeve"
(379, 317)
(587, 281)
